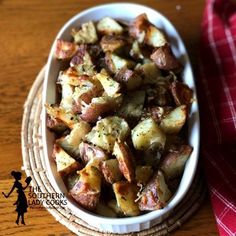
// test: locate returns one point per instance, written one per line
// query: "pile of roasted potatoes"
(119, 120)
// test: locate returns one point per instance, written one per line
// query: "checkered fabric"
(217, 96)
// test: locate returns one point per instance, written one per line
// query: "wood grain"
(27, 30)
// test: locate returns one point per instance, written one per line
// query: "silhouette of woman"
(21, 203)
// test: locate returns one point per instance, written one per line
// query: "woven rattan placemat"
(34, 166)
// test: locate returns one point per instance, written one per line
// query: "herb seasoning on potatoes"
(120, 118)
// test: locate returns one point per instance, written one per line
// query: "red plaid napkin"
(217, 95)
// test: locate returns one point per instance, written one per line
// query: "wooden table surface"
(27, 30)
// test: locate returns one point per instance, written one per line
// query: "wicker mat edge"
(34, 166)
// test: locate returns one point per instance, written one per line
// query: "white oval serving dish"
(124, 11)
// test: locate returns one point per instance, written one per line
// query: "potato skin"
(65, 50)
(145, 32)
(129, 78)
(125, 159)
(165, 59)
(182, 94)
(82, 61)
(85, 92)
(115, 63)
(173, 163)
(175, 120)
(126, 194)
(155, 195)
(91, 112)
(87, 190)
(99, 106)
(112, 43)
(111, 171)
(55, 124)
(132, 106)
(138, 26)
(157, 113)
(91, 154)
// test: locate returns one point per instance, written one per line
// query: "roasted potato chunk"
(65, 50)
(115, 63)
(132, 106)
(107, 131)
(135, 51)
(142, 30)
(173, 163)
(103, 210)
(71, 77)
(125, 159)
(55, 125)
(113, 205)
(71, 180)
(67, 97)
(150, 73)
(87, 33)
(129, 78)
(99, 106)
(155, 195)
(91, 154)
(147, 134)
(154, 37)
(112, 43)
(65, 163)
(66, 91)
(109, 26)
(151, 156)
(111, 171)
(182, 94)
(110, 86)
(156, 113)
(138, 27)
(173, 141)
(84, 94)
(143, 174)
(88, 189)
(71, 142)
(159, 95)
(61, 114)
(82, 61)
(175, 120)
(165, 59)
(126, 193)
